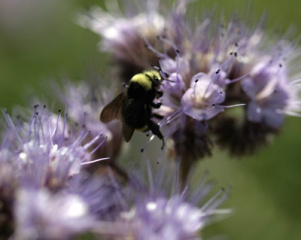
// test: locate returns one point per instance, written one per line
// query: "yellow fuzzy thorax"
(144, 80)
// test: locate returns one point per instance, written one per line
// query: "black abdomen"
(135, 113)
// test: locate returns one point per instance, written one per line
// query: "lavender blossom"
(42, 160)
(172, 218)
(157, 210)
(84, 102)
(8, 186)
(221, 86)
(40, 214)
(44, 164)
(206, 71)
(124, 35)
(159, 214)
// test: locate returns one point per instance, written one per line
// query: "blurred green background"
(40, 41)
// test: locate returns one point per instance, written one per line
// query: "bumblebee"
(134, 105)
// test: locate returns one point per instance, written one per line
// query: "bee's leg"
(159, 94)
(156, 105)
(154, 127)
(157, 116)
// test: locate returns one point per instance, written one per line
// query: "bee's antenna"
(125, 85)
(162, 73)
(156, 67)
(159, 69)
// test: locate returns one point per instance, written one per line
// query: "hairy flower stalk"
(207, 70)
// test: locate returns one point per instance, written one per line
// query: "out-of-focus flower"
(207, 70)
(168, 218)
(103, 195)
(123, 35)
(85, 101)
(267, 88)
(41, 214)
(44, 191)
(8, 186)
(44, 164)
(269, 94)
(44, 150)
(160, 211)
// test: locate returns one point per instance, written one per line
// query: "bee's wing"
(127, 132)
(113, 109)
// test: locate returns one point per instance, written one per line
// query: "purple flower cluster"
(222, 85)
(84, 101)
(206, 69)
(47, 193)
(43, 187)
(161, 214)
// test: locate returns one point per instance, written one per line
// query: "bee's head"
(149, 80)
(154, 77)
